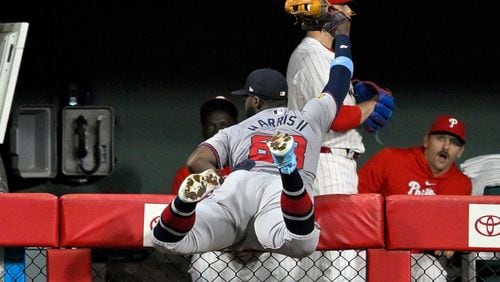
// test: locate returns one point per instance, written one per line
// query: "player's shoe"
(282, 148)
(198, 186)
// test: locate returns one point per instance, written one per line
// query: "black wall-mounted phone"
(87, 145)
(81, 151)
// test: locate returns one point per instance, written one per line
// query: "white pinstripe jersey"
(245, 140)
(307, 74)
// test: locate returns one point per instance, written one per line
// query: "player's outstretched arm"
(373, 111)
(201, 159)
(351, 116)
(342, 67)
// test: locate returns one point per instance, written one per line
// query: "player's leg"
(178, 217)
(221, 218)
(177, 232)
(286, 212)
(272, 231)
(296, 203)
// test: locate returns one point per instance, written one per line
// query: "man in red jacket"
(429, 169)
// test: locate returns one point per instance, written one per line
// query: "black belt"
(348, 153)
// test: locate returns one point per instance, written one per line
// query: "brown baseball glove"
(318, 14)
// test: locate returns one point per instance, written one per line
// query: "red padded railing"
(29, 219)
(388, 228)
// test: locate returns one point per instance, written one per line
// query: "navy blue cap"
(266, 83)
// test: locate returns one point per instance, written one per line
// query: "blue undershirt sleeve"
(341, 70)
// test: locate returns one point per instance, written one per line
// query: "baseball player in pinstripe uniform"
(266, 203)
(307, 73)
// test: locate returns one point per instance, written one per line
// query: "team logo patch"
(484, 225)
(152, 214)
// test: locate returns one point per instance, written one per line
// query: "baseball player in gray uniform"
(266, 203)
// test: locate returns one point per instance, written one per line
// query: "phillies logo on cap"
(453, 122)
(449, 124)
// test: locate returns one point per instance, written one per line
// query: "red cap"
(449, 124)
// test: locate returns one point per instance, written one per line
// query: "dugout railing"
(83, 236)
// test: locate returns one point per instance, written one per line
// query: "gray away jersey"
(246, 140)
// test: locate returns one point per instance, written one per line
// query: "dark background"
(156, 62)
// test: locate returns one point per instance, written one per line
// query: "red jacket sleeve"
(348, 117)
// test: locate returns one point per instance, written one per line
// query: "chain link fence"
(462, 266)
(23, 264)
(346, 265)
(149, 265)
(29, 264)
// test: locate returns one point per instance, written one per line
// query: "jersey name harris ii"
(246, 140)
(280, 119)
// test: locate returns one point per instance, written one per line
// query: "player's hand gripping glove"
(317, 14)
(367, 90)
